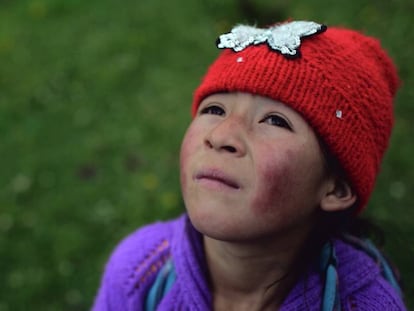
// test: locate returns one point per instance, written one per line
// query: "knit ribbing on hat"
(343, 85)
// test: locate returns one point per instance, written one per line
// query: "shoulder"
(134, 262)
(144, 241)
(377, 295)
(362, 285)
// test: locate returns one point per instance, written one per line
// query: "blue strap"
(162, 284)
(386, 270)
(328, 262)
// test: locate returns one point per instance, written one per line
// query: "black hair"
(337, 223)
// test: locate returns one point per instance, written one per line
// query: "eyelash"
(213, 109)
(276, 120)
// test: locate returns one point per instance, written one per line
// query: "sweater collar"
(190, 265)
(355, 270)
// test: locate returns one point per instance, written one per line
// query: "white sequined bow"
(284, 38)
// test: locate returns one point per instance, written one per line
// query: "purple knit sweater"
(134, 264)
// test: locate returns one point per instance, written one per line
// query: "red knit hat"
(341, 81)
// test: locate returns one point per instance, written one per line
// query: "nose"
(228, 137)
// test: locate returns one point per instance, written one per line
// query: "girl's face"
(251, 168)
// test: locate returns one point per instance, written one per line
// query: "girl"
(289, 128)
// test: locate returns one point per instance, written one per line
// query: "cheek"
(276, 183)
(187, 149)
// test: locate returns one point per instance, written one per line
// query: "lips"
(217, 176)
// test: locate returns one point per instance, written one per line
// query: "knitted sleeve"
(132, 268)
(111, 295)
(378, 295)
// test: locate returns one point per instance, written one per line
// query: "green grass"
(94, 100)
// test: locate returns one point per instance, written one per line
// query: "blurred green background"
(94, 100)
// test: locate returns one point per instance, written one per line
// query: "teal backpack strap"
(328, 262)
(387, 271)
(162, 284)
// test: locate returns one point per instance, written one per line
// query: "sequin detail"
(284, 38)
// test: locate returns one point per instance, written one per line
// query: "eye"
(212, 109)
(277, 120)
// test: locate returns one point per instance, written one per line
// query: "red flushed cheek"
(274, 185)
(187, 149)
(183, 165)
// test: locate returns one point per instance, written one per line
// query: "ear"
(339, 196)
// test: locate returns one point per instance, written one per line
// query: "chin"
(214, 228)
(231, 232)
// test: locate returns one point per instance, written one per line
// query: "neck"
(251, 276)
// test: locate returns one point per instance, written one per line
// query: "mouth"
(214, 177)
